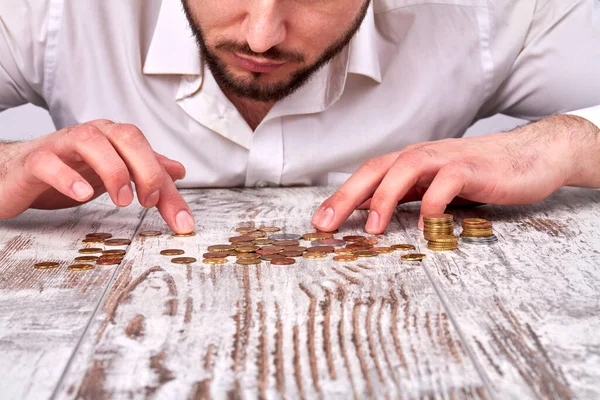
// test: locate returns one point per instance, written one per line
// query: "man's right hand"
(79, 163)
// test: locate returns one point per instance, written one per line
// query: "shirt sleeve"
(557, 66)
(23, 37)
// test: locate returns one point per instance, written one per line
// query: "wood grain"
(44, 313)
(312, 330)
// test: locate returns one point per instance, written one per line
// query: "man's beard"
(252, 88)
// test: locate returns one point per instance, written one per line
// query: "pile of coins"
(443, 243)
(438, 224)
(478, 231)
(255, 245)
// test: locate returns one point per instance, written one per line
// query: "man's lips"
(257, 66)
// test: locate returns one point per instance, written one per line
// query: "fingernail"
(184, 222)
(324, 218)
(152, 199)
(125, 195)
(372, 222)
(82, 190)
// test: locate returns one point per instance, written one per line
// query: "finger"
(45, 166)
(174, 209)
(135, 150)
(175, 169)
(356, 190)
(408, 169)
(414, 194)
(94, 148)
(451, 180)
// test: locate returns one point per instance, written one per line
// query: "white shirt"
(418, 70)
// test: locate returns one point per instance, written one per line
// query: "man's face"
(266, 49)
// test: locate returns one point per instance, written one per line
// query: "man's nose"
(264, 25)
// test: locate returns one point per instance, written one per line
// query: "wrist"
(583, 144)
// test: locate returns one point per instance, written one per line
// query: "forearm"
(583, 146)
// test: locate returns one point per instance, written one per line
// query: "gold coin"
(382, 250)
(248, 261)
(413, 257)
(269, 229)
(114, 252)
(314, 255)
(189, 234)
(365, 253)
(320, 249)
(86, 259)
(150, 233)
(92, 240)
(287, 253)
(445, 239)
(215, 261)
(345, 258)
(286, 243)
(269, 257)
(269, 250)
(244, 230)
(295, 248)
(246, 249)
(402, 247)
(80, 267)
(90, 250)
(317, 236)
(442, 248)
(237, 244)
(117, 242)
(109, 260)
(235, 239)
(344, 252)
(172, 252)
(221, 248)
(99, 235)
(215, 255)
(354, 238)
(246, 255)
(283, 261)
(474, 221)
(359, 246)
(262, 242)
(257, 234)
(437, 217)
(183, 260)
(46, 265)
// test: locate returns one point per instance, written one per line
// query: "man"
(292, 92)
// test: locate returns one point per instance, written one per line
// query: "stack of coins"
(478, 231)
(443, 243)
(437, 225)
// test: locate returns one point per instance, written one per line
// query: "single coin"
(80, 267)
(359, 246)
(248, 261)
(247, 255)
(382, 250)
(236, 244)
(328, 242)
(413, 257)
(317, 236)
(345, 258)
(285, 243)
(189, 234)
(295, 248)
(215, 261)
(373, 241)
(86, 259)
(46, 265)
(99, 235)
(117, 242)
(403, 247)
(269, 257)
(215, 255)
(246, 249)
(93, 240)
(172, 252)
(114, 252)
(292, 253)
(334, 232)
(269, 229)
(245, 229)
(257, 234)
(183, 260)
(314, 255)
(320, 249)
(365, 253)
(285, 236)
(269, 250)
(474, 221)
(283, 261)
(150, 233)
(354, 238)
(109, 260)
(262, 242)
(344, 251)
(243, 238)
(90, 250)
(221, 248)
(437, 217)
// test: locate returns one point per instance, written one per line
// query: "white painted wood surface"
(515, 320)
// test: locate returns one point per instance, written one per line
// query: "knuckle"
(101, 121)
(86, 133)
(35, 158)
(339, 197)
(155, 180)
(129, 134)
(411, 160)
(380, 198)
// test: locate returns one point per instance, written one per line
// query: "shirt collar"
(173, 49)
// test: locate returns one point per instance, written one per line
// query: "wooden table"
(519, 319)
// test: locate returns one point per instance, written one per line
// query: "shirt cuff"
(592, 114)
